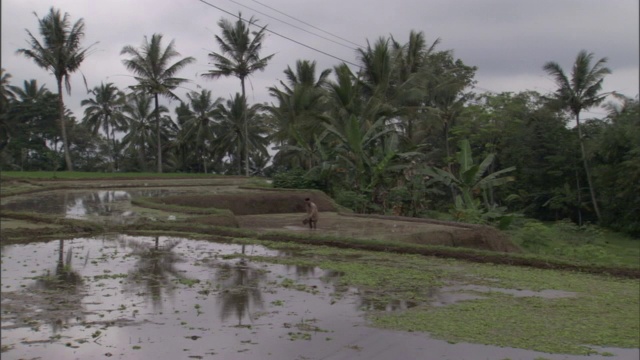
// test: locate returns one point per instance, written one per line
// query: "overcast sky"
(508, 40)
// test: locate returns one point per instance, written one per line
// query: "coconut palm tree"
(5, 93)
(198, 127)
(239, 57)
(104, 112)
(6, 96)
(139, 116)
(32, 117)
(298, 116)
(155, 74)
(61, 53)
(581, 92)
(233, 132)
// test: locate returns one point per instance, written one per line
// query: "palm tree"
(32, 118)
(411, 59)
(354, 142)
(231, 129)
(139, 117)
(299, 113)
(155, 75)
(581, 92)
(6, 96)
(59, 52)
(105, 112)
(198, 127)
(5, 93)
(239, 57)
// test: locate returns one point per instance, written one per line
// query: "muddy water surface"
(81, 204)
(155, 298)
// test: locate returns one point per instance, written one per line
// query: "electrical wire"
(282, 36)
(295, 26)
(306, 23)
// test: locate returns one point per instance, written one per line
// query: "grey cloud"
(504, 38)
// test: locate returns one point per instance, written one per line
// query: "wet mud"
(130, 297)
(159, 297)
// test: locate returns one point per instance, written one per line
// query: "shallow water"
(106, 205)
(127, 297)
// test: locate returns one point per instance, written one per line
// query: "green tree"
(239, 57)
(297, 118)
(471, 181)
(581, 92)
(104, 112)
(525, 130)
(354, 143)
(156, 75)
(231, 130)
(199, 123)
(61, 53)
(5, 100)
(139, 116)
(32, 116)
(616, 165)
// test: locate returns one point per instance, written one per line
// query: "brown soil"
(314, 237)
(258, 202)
(215, 220)
(387, 228)
(258, 212)
(264, 204)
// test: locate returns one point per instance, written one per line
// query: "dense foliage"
(405, 135)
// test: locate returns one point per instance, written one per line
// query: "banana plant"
(470, 183)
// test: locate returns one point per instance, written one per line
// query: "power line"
(282, 36)
(306, 23)
(295, 26)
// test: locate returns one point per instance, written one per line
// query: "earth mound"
(254, 203)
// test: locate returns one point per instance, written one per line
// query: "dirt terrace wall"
(460, 235)
(268, 202)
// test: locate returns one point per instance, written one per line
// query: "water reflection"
(62, 290)
(240, 294)
(155, 269)
(82, 204)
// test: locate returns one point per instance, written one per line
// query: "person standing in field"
(312, 213)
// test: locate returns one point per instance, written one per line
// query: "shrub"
(534, 236)
(352, 200)
(295, 179)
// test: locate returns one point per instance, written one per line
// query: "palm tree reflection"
(63, 291)
(240, 289)
(155, 270)
(64, 278)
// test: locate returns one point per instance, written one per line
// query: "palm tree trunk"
(158, 134)
(452, 190)
(141, 156)
(61, 253)
(65, 142)
(586, 170)
(115, 153)
(108, 141)
(579, 211)
(246, 131)
(239, 155)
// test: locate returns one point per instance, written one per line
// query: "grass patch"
(159, 204)
(79, 175)
(605, 313)
(587, 244)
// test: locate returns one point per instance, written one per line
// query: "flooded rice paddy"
(130, 297)
(133, 297)
(105, 205)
